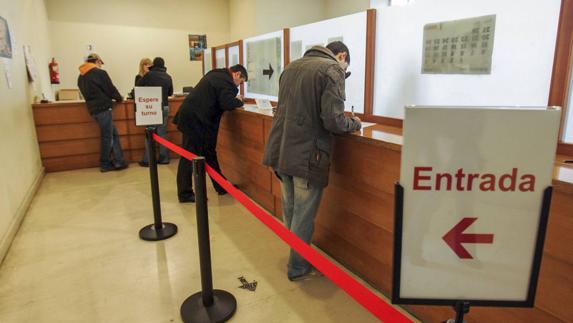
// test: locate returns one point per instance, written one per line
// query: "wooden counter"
(356, 220)
(69, 137)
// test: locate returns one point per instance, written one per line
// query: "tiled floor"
(78, 258)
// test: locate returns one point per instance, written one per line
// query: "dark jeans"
(161, 132)
(300, 201)
(185, 169)
(109, 143)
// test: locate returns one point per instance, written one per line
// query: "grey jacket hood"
(320, 51)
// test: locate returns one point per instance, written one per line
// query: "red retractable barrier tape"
(374, 304)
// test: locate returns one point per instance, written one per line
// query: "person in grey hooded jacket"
(310, 110)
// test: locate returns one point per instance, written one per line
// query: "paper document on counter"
(263, 104)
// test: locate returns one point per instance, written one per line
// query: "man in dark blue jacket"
(198, 119)
(98, 91)
(157, 76)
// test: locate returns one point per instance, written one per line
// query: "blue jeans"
(109, 143)
(161, 132)
(300, 201)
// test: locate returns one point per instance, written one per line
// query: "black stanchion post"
(207, 305)
(158, 230)
(461, 308)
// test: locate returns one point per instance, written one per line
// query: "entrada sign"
(473, 181)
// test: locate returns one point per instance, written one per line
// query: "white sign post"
(148, 106)
(471, 221)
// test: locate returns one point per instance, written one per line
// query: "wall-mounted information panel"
(263, 58)
(459, 47)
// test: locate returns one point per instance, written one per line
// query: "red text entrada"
(426, 180)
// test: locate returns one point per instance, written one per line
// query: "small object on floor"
(313, 273)
(246, 285)
(143, 164)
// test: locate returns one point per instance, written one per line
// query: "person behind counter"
(98, 90)
(157, 76)
(198, 119)
(311, 98)
(144, 65)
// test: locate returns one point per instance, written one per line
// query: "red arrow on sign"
(455, 237)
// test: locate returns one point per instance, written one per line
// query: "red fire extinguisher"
(54, 72)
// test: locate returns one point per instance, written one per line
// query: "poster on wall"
(462, 46)
(30, 64)
(5, 39)
(197, 44)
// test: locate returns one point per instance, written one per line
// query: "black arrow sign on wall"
(269, 72)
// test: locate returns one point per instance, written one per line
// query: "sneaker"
(143, 164)
(188, 199)
(313, 273)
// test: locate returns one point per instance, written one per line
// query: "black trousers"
(204, 148)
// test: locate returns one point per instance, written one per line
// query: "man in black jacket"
(198, 119)
(157, 76)
(98, 91)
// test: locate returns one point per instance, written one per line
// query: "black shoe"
(107, 169)
(121, 166)
(143, 164)
(188, 199)
(163, 162)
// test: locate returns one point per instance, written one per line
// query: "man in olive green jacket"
(310, 110)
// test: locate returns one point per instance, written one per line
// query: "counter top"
(75, 102)
(391, 138)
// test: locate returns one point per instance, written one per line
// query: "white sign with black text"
(473, 180)
(148, 109)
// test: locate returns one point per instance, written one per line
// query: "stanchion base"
(223, 308)
(149, 233)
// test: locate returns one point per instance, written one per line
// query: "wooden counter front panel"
(69, 137)
(240, 149)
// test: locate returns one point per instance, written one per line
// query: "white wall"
(125, 31)
(250, 18)
(522, 60)
(21, 165)
(337, 8)
(242, 22)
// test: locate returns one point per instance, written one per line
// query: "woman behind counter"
(144, 66)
